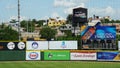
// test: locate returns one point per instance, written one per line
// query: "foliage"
(28, 25)
(108, 21)
(40, 23)
(48, 33)
(69, 19)
(7, 34)
(68, 33)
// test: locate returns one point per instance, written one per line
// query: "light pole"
(19, 20)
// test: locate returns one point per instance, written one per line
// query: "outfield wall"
(42, 51)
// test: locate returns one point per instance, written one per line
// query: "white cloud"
(44, 18)
(68, 3)
(108, 11)
(70, 10)
(63, 3)
(16, 18)
(54, 15)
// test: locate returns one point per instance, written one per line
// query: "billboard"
(57, 55)
(12, 46)
(79, 15)
(37, 45)
(83, 55)
(63, 45)
(99, 37)
(108, 56)
(99, 32)
(33, 55)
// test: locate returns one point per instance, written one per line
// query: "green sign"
(57, 55)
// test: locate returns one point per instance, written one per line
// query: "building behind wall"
(55, 22)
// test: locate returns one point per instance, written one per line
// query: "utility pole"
(19, 20)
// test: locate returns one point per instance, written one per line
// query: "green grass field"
(58, 64)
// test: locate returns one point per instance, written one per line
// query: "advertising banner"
(83, 55)
(33, 55)
(108, 56)
(12, 46)
(37, 45)
(99, 37)
(119, 45)
(63, 45)
(57, 55)
(99, 32)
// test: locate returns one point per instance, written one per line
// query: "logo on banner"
(21, 45)
(33, 55)
(11, 45)
(34, 45)
(50, 55)
(63, 45)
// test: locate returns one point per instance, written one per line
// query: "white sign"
(119, 45)
(83, 56)
(11, 45)
(37, 45)
(21, 45)
(32, 55)
(63, 45)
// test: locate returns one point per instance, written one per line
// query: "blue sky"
(42, 9)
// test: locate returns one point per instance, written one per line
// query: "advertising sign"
(99, 32)
(99, 37)
(83, 56)
(37, 45)
(79, 15)
(63, 45)
(57, 55)
(108, 56)
(12, 46)
(32, 55)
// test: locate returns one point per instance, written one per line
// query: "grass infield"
(58, 64)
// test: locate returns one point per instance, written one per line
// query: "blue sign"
(99, 32)
(110, 56)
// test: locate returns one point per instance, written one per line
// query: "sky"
(43, 9)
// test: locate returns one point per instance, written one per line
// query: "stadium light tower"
(19, 20)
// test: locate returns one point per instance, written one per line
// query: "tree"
(40, 23)
(68, 33)
(117, 21)
(105, 21)
(7, 34)
(69, 19)
(34, 20)
(28, 25)
(48, 33)
(23, 23)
